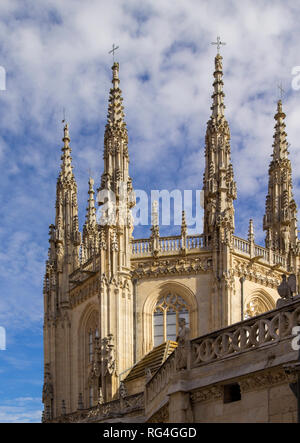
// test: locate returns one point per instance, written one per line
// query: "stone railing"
(175, 244)
(160, 379)
(141, 246)
(262, 252)
(256, 332)
(169, 245)
(102, 412)
(243, 247)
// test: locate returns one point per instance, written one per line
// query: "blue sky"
(56, 56)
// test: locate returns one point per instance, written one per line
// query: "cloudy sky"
(55, 55)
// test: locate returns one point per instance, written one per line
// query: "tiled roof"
(153, 360)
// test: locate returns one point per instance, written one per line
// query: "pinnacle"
(66, 167)
(91, 210)
(115, 117)
(280, 143)
(183, 224)
(251, 231)
(218, 95)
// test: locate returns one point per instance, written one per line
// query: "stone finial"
(115, 117)
(66, 166)
(183, 224)
(155, 229)
(91, 209)
(154, 213)
(251, 231)
(66, 137)
(218, 95)
(280, 143)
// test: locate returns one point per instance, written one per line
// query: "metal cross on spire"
(113, 50)
(64, 116)
(282, 91)
(218, 43)
(90, 171)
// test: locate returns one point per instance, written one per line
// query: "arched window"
(169, 308)
(258, 304)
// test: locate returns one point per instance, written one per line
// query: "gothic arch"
(89, 321)
(148, 308)
(258, 302)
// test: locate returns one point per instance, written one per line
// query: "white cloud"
(56, 55)
(21, 410)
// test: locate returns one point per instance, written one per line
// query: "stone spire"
(67, 208)
(90, 228)
(116, 192)
(65, 237)
(66, 167)
(218, 95)
(218, 182)
(280, 219)
(63, 259)
(116, 159)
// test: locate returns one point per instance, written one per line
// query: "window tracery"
(169, 308)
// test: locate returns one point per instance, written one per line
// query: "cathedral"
(182, 328)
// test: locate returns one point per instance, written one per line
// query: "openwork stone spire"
(218, 182)
(66, 167)
(64, 235)
(280, 219)
(218, 95)
(66, 224)
(90, 228)
(116, 192)
(116, 159)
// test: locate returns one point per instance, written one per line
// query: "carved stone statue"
(286, 289)
(285, 240)
(109, 356)
(48, 387)
(183, 345)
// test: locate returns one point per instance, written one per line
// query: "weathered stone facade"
(102, 290)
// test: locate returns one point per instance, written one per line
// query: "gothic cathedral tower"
(102, 262)
(219, 193)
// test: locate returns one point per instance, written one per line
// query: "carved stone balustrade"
(105, 411)
(169, 245)
(258, 331)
